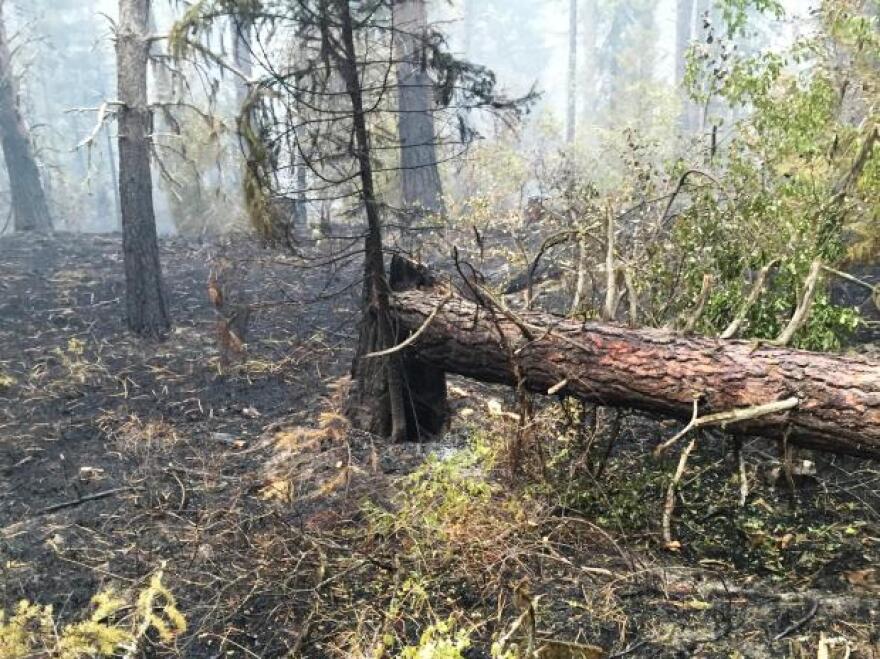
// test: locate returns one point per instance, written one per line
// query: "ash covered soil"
(282, 532)
(156, 430)
(75, 379)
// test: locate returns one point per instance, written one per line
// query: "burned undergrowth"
(281, 531)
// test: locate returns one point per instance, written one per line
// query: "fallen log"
(838, 398)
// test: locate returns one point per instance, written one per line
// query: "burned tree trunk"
(30, 209)
(837, 406)
(376, 400)
(145, 299)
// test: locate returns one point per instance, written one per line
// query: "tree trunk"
(609, 61)
(301, 167)
(571, 109)
(114, 181)
(30, 209)
(589, 89)
(469, 19)
(242, 58)
(376, 401)
(684, 34)
(145, 300)
(702, 13)
(838, 397)
(420, 179)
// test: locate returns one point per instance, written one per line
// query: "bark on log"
(653, 370)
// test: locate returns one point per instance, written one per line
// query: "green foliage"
(627, 498)
(31, 629)
(439, 641)
(766, 536)
(6, 381)
(444, 498)
(735, 13)
(797, 180)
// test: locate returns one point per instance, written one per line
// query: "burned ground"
(282, 531)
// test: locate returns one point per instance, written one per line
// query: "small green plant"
(444, 498)
(6, 381)
(439, 641)
(30, 630)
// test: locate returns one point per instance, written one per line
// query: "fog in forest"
(67, 67)
(439, 329)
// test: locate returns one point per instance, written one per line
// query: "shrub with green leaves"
(794, 179)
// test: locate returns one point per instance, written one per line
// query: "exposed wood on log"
(653, 370)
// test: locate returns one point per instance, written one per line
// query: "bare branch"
(754, 294)
(803, 308)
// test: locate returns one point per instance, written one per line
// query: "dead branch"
(803, 308)
(757, 288)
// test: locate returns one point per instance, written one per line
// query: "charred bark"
(146, 311)
(376, 400)
(30, 210)
(838, 407)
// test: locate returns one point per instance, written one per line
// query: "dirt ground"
(283, 533)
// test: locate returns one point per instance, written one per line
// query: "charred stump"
(422, 388)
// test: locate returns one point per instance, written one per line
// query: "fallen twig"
(556, 388)
(91, 497)
(743, 475)
(731, 416)
(669, 506)
(800, 622)
(632, 648)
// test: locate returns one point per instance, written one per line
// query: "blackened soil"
(120, 457)
(159, 431)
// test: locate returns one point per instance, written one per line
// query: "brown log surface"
(654, 370)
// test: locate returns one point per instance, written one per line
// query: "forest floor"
(283, 532)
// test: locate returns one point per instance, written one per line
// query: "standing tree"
(468, 20)
(684, 34)
(421, 189)
(146, 312)
(630, 94)
(30, 209)
(571, 108)
(70, 76)
(242, 56)
(377, 403)
(588, 77)
(340, 132)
